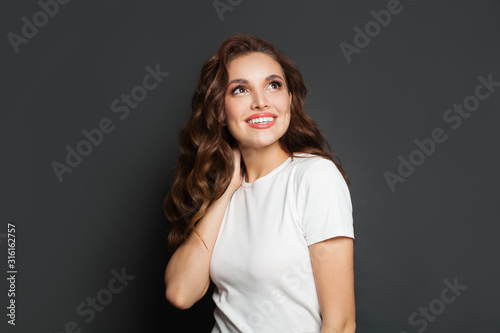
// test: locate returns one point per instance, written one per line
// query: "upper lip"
(262, 114)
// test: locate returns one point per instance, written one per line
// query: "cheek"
(233, 116)
(283, 107)
(231, 110)
(282, 101)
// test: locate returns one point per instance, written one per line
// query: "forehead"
(253, 65)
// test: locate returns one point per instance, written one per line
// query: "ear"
(290, 98)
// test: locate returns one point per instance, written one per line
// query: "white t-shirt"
(261, 264)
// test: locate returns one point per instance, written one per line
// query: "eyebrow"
(245, 81)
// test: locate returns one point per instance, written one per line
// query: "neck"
(261, 161)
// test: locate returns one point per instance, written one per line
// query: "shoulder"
(309, 167)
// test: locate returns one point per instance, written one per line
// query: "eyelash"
(278, 83)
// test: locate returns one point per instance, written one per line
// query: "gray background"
(439, 224)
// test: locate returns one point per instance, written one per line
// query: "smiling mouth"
(261, 120)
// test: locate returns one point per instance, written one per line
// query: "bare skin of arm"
(332, 263)
(187, 275)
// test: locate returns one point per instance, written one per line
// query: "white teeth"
(261, 120)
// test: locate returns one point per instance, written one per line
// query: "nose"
(259, 101)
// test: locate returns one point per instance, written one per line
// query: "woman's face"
(257, 93)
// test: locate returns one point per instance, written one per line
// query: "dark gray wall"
(105, 217)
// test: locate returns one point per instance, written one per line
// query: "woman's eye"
(239, 90)
(275, 84)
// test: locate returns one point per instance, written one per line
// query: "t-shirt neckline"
(269, 175)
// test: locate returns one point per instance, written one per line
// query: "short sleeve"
(324, 203)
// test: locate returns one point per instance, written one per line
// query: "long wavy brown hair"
(206, 164)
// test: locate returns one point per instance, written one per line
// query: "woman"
(259, 205)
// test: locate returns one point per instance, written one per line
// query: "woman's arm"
(332, 263)
(187, 275)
